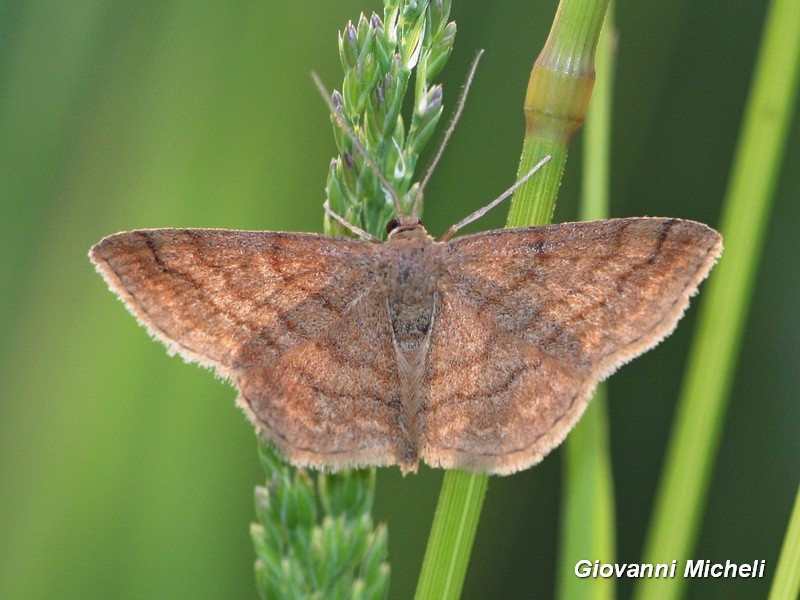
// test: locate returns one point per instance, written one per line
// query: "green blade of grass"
(711, 365)
(587, 522)
(786, 584)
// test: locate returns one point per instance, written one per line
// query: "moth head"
(403, 223)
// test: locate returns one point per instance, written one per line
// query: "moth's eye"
(419, 222)
(392, 225)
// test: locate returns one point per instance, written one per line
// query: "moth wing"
(532, 318)
(333, 401)
(228, 298)
(282, 314)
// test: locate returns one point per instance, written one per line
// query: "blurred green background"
(127, 474)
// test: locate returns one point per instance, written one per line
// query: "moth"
(479, 353)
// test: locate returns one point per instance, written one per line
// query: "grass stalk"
(315, 536)
(559, 90)
(555, 105)
(452, 535)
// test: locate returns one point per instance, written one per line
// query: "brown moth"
(478, 353)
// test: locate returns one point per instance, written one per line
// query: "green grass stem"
(555, 104)
(723, 311)
(315, 536)
(452, 534)
(558, 95)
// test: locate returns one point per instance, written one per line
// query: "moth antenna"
(482, 211)
(359, 147)
(347, 224)
(462, 99)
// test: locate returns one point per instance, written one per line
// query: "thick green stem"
(555, 105)
(452, 536)
(558, 95)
